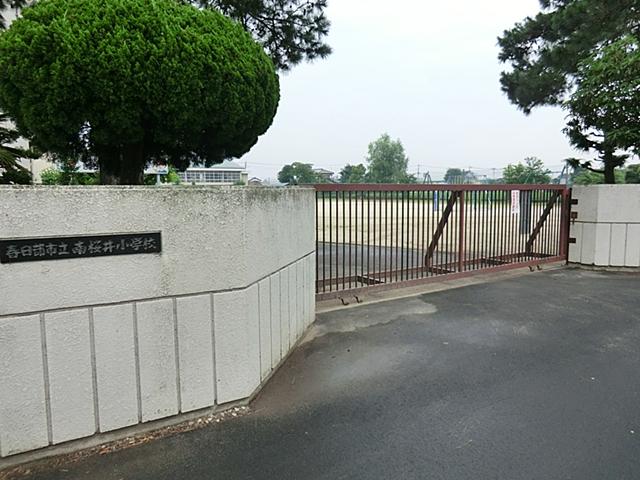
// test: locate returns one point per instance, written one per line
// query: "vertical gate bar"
(434, 215)
(368, 231)
(386, 234)
(500, 210)
(461, 232)
(444, 245)
(513, 221)
(330, 242)
(410, 238)
(552, 231)
(324, 249)
(317, 242)
(423, 222)
(553, 240)
(503, 225)
(350, 238)
(402, 219)
(520, 252)
(411, 253)
(544, 197)
(472, 249)
(469, 231)
(487, 221)
(379, 201)
(344, 241)
(557, 227)
(392, 240)
(375, 224)
(355, 238)
(362, 235)
(493, 234)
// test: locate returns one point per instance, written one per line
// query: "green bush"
(135, 81)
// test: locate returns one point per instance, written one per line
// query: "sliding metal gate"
(384, 236)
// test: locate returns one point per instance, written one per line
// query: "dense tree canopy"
(604, 110)
(132, 81)
(297, 174)
(531, 171)
(353, 174)
(545, 51)
(289, 30)
(387, 162)
(560, 56)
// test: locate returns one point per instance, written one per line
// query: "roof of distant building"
(225, 165)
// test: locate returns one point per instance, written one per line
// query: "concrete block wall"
(607, 226)
(95, 345)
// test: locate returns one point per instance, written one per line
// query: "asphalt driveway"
(534, 377)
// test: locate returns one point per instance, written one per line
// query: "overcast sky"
(424, 72)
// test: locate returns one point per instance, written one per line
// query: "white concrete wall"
(97, 344)
(607, 227)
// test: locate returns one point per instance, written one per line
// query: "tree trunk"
(609, 166)
(122, 166)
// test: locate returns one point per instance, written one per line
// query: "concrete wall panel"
(237, 344)
(285, 307)
(264, 288)
(195, 341)
(293, 305)
(618, 244)
(575, 249)
(157, 359)
(23, 412)
(632, 254)
(116, 378)
(276, 314)
(70, 375)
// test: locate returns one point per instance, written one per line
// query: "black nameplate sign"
(59, 248)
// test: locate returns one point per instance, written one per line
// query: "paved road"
(532, 378)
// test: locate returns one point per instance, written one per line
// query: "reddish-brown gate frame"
(484, 237)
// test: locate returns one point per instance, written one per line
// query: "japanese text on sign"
(56, 248)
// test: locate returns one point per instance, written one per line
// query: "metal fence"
(372, 236)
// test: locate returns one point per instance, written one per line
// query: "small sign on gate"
(515, 202)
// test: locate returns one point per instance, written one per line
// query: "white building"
(225, 173)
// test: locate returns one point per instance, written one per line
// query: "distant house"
(326, 175)
(225, 173)
(255, 182)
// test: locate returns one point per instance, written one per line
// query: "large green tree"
(387, 162)
(353, 174)
(128, 82)
(547, 52)
(290, 30)
(298, 173)
(604, 110)
(531, 171)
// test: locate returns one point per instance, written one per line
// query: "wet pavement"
(534, 377)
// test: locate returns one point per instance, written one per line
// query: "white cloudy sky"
(427, 73)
